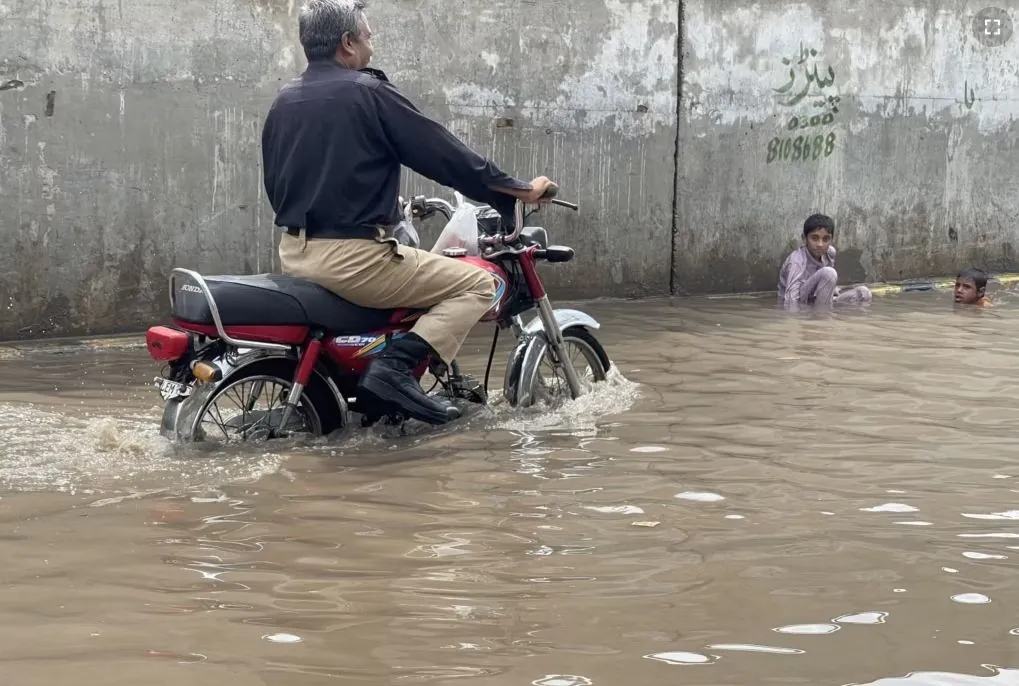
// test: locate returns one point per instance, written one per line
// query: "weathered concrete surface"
(590, 89)
(129, 137)
(131, 147)
(912, 134)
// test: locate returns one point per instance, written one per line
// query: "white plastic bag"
(462, 229)
(405, 232)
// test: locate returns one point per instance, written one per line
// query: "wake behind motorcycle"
(250, 358)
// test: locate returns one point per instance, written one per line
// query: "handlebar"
(422, 208)
(518, 218)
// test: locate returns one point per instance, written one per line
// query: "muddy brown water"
(757, 498)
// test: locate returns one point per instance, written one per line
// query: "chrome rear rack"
(216, 319)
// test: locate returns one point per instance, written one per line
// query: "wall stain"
(277, 6)
(968, 96)
(849, 263)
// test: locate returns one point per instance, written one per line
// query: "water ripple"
(830, 482)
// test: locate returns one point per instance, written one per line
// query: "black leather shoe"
(390, 382)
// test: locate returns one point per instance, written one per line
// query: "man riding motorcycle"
(333, 144)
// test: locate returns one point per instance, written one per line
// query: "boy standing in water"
(808, 275)
(970, 288)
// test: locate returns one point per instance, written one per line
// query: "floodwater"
(757, 499)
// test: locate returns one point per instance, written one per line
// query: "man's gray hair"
(322, 23)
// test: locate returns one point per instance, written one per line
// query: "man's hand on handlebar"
(542, 190)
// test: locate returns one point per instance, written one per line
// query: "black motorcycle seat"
(275, 300)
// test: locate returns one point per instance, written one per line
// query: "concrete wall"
(910, 113)
(129, 144)
(590, 87)
(129, 137)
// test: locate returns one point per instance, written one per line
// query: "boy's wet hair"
(818, 221)
(978, 276)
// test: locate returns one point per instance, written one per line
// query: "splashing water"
(613, 396)
(50, 450)
(47, 450)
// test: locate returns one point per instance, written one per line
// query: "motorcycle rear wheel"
(227, 413)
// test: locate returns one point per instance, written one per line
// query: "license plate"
(172, 389)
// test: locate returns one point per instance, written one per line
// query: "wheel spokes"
(251, 409)
(556, 379)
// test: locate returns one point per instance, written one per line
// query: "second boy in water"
(808, 275)
(971, 288)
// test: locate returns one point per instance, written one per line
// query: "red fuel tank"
(502, 289)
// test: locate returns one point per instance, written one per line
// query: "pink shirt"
(797, 268)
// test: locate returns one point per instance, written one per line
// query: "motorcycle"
(299, 348)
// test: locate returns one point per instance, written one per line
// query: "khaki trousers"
(383, 274)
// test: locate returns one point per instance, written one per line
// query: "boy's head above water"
(818, 231)
(970, 286)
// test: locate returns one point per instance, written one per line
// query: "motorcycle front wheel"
(542, 379)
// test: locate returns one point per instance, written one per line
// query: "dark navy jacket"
(332, 147)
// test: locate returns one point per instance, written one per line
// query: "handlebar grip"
(550, 192)
(568, 205)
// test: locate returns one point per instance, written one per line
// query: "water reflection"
(997, 676)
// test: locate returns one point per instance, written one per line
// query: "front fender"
(565, 318)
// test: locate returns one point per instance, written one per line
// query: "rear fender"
(526, 356)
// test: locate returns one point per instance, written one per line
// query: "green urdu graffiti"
(811, 78)
(807, 84)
